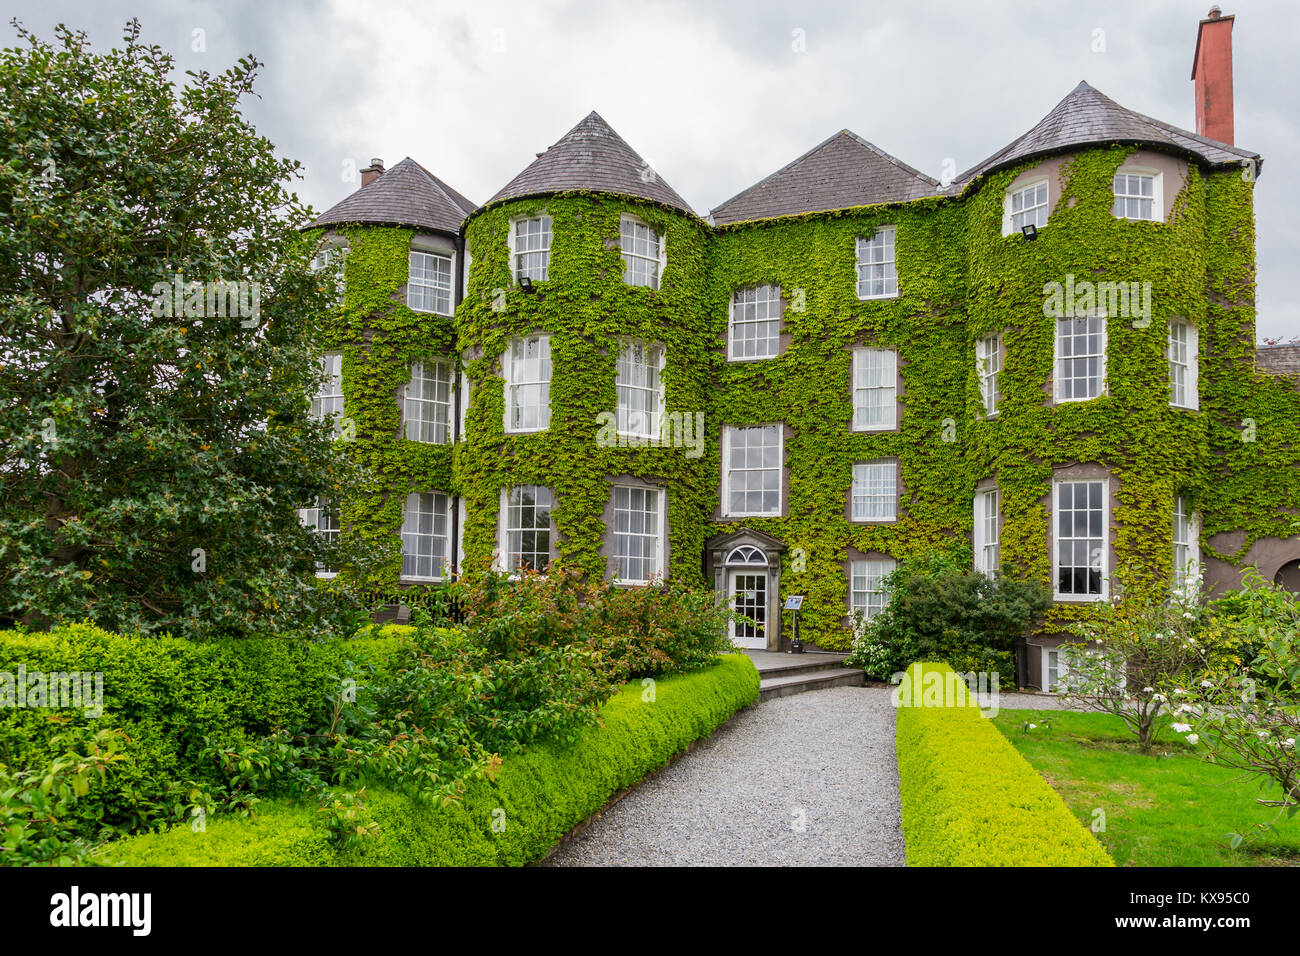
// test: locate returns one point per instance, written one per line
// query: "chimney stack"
(376, 169)
(1212, 74)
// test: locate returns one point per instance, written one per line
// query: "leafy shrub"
(941, 610)
(513, 817)
(1259, 616)
(34, 804)
(643, 631)
(172, 699)
(969, 798)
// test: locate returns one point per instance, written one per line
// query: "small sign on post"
(792, 604)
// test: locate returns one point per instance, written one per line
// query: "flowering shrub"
(1249, 717)
(632, 632)
(1133, 654)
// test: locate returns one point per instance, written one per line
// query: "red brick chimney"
(1212, 74)
(376, 167)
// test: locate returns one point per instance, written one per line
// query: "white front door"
(748, 590)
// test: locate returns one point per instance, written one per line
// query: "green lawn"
(1169, 808)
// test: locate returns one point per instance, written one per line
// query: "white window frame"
(1040, 210)
(870, 479)
(1059, 358)
(659, 260)
(870, 571)
(1187, 547)
(330, 394)
(651, 370)
(431, 287)
(511, 369)
(507, 527)
(317, 519)
(758, 299)
(1060, 665)
(888, 276)
(654, 535)
(546, 232)
(1057, 538)
(729, 434)
(1188, 363)
(888, 383)
(1157, 193)
(988, 537)
(988, 365)
(412, 533)
(415, 406)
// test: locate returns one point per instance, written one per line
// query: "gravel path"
(809, 779)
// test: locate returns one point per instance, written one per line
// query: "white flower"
(1188, 614)
(1182, 728)
(1262, 734)
(1192, 739)
(1289, 742)
(1147, 690)
(1033, 726)
(1206, 683)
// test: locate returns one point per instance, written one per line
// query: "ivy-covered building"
(849, 363)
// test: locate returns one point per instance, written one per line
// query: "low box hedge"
(969, 798)
(514, 819)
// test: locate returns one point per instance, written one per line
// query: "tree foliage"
(153, 445)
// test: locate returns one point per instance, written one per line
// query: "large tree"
(157, 319)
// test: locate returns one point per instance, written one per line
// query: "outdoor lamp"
(1030, 231)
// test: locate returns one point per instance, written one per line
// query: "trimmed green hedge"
(969, 798)
(535, 799)
(167, 694)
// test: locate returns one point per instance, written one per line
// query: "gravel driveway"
(809, 779)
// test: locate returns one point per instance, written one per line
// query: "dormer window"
(530, 248)
(1026, 207)
(643, 253)
(876, 276)
(1137, 195)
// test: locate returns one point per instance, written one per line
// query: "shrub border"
(968, 797)
(539, 795)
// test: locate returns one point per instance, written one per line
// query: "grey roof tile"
(1087, 117)
(839, 173)
(406, 195)
(593, 157)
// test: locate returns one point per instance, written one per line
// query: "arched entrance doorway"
(746, 570)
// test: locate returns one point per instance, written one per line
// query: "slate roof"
(591, 156)
(1087, 117)
(406, 195)
(839, 173)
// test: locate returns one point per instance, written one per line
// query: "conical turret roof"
(406, 195)
(1087, 117)
(593, 157)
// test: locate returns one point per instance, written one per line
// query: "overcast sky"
(716, 96)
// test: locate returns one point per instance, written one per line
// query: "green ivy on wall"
(959, 279)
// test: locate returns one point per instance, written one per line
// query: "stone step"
(783, 684)
(801, 664)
